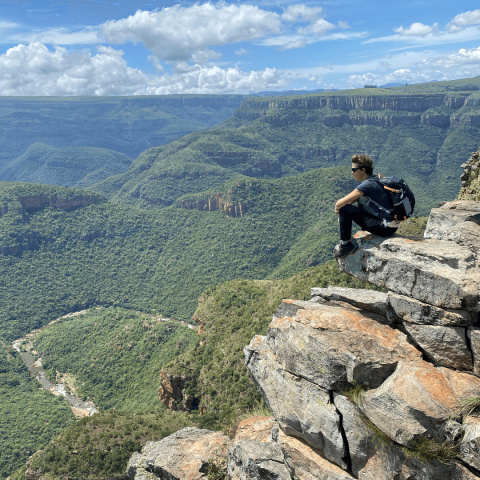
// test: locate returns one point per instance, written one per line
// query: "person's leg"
(347, 215)
(351, 213)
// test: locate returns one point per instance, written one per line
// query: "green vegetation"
(29, 416)
(355, 394)
(64, 258)
(115, 356)
(68, 166)
(431, 449)
(249, 199)
(100, 446)
(420, 133)
(467, 406)
(230, 315)
(128, 125)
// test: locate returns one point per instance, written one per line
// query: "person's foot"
(342, 250)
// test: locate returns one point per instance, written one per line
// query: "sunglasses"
(354, 169)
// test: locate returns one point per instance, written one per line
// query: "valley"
(208, 211)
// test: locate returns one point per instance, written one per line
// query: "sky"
(148, 47)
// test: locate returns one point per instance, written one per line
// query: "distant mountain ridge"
(419, 132)
(127, 125)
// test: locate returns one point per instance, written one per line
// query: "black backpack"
(401, 197)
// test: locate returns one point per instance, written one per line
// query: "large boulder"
(255, 454)
(301, 408)
(437, 272)
(185, 455)
(305, 463)
(415, 311)
(336, 346)
(368, 300)
(361, 438)
(444, 346)
(453, 216)
(416, 400)
(393, 463)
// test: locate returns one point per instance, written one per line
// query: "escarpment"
(382, 109)
(349, 366)
(375, 385)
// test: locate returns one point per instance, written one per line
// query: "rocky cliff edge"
(373, 385)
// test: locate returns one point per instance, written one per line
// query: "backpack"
(401, 197)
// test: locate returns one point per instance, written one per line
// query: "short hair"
(363, 161)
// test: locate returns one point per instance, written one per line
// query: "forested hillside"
(67, 166)
(420, 132)
(65, 249)
(126, 125)
(98, 447)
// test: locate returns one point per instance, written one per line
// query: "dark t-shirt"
(372, 190)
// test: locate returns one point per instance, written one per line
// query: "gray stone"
(474, 337)
(442, 220)
(450, 431)
(470, 446)
(415, 311)
(360, 438)
(185, 455)
(444, 346)
(438, 272)
(254, 453)
(251, 460)
(466, 234)
(305, 463)
(416, 400)
(392, 463)
(336, 346)
(368, 300)
(301, 408)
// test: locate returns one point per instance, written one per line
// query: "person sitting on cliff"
(362, 171)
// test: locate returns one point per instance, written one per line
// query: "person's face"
(357, 173)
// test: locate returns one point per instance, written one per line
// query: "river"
(79, 407)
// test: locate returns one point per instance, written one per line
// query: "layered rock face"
(471, 178)
(370, 381)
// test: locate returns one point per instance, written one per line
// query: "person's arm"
(347, 199)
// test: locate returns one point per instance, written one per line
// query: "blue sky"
(146, 47)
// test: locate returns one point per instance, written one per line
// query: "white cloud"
(35, 70)
(464, 20)
(176, 33)
(318, 29)
(418, 30)
(301, 13)
(209, 80)
(461, 28)
(58, 36)
(463, 63)
(7, 25)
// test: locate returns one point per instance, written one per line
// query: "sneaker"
(343, 250)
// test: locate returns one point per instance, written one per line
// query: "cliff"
(385, 108)
(372, 385)
(350, 366)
